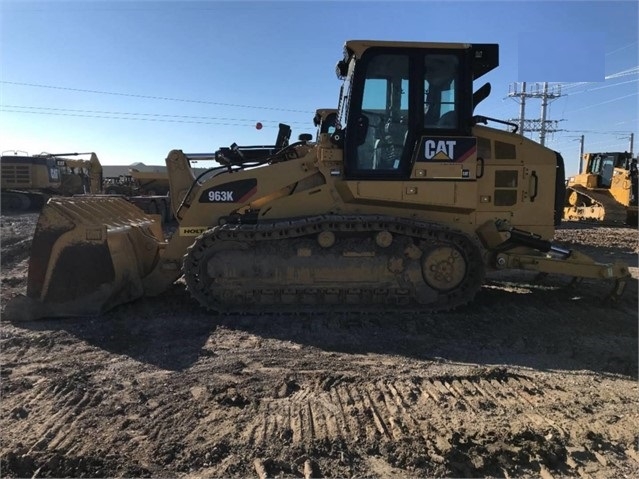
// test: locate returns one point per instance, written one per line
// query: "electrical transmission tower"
(546, 94)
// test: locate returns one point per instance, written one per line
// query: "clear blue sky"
(235, 63)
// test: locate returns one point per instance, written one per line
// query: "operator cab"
(406, 100)
(604, 164)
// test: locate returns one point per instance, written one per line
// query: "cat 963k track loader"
(402, 202)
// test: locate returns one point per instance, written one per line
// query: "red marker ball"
(258, 125)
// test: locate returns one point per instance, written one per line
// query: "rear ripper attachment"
(513, 248)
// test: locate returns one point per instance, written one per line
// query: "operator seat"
(388, 150)
(448, 120)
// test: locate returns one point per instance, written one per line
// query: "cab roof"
(485, 55)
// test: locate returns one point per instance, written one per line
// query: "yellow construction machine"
(79, 176)
(605, 191)
(402, 202)
(27, 181)
(151, 182)
(148, 190)
(137, 182)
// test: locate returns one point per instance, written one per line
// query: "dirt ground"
(531, 380)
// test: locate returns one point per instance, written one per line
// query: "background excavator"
(29, 181)
(402, 203)
(26, 179)
(606, 190)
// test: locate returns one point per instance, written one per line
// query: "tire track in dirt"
(63, 404)
(387, 411)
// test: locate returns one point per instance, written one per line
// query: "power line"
(150, 97)
(100, 112)
(129, 118)
(622, 48)
(634, 122)
(607, 141)
(603, 102)
(522, 94)
(599, 132)
(629, 71)
(588, 90)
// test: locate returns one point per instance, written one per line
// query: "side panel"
(516, 181)
(25, 172)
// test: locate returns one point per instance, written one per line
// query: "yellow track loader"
(402, 202)
(606, 191)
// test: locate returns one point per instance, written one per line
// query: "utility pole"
(522, 103)
(544, 106)
(546, 94)
(522, 108)
(581, 154)
(632, 140)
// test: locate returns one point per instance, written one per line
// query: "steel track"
(277, 242)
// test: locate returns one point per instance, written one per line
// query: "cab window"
(441, 73)
(384, 115)
(399, 97)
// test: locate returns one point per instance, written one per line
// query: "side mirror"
(341, 69)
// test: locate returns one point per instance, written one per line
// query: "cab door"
(407, 137)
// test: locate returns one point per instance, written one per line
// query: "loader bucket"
(88, 255)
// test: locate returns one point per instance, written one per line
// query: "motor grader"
(606, 190)
(402, 202)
